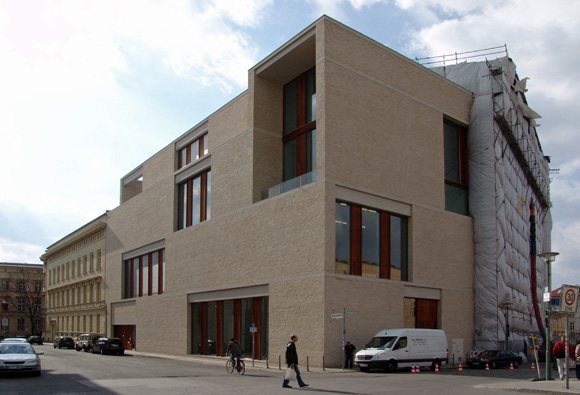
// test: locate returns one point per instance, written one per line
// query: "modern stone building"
(21, 298)
(320, 188)
(345, 179)
(74, 270)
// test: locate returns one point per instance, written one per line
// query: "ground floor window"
(214, 323)
(421, 313)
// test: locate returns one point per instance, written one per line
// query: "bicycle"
(241, 368)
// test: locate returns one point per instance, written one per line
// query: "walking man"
(292, 362)
(349, 350)
(559, 352)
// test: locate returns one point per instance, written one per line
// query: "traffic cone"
(417, 369)
(487, 367)
(512, 366)
(436, 368)
(460, 368)
(533, 366)
(413, 369)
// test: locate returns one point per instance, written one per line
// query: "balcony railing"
(289, 185)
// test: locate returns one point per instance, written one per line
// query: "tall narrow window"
(300, 126)
(455, 141)
(194, 200)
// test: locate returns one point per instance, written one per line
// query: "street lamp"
(548, 257)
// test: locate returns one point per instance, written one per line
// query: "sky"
(89, 90)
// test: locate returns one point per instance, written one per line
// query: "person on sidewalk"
(578, 360)
(559, 352)
(292, 362)
(349, 350)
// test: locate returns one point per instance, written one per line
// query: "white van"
(400, 348)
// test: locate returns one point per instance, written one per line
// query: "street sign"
(569, 302)
(337, 316)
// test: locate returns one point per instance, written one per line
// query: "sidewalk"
(529, 386)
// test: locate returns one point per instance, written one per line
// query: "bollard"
(307, 364)
(279, 362)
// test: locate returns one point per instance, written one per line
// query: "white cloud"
(15, 252)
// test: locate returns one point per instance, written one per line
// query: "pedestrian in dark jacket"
(349, 350)
(292, 362)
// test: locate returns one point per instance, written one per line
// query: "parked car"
(19, 357)
(63, 341)
(495, 359)
(108, 345)
(35, 340)
(14, 340)
(86, 340)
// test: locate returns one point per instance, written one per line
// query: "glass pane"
(195, 150)
(228, 323)
(208, 196)
(342, 246)
(246, 340)
(211, 328)
(196, 201)
(205, 149)
(398, 248)
(455, 199)
(135, 279)
(127, 287)
(182, 158)
(289, 160)
(311, 95)
(155, 273)
(451, 152)
(196, 328)
(371, 243)
(311, 151)
(146, 274)
(290, 107)
(264, 328)
(182, 206)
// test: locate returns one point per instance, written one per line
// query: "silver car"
(19, 358)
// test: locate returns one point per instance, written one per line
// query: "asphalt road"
(71, 372)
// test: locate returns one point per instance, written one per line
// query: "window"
(5, 324)
(192, 152)
(21, 285)
(370, 243)
(37, 306)
(144, 275)
(92, 262)
(21, 305)
(4, 305)
(5, 285)
(20, 324)
(455, 146)
(37, 286)
(194, 200)
(300, 126)
(99, 258)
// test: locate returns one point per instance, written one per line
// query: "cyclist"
(236, 350)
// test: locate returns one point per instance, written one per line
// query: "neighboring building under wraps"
(341, 179)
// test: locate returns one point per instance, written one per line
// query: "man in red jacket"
(559, 352)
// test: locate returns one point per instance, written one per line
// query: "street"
(70, 372)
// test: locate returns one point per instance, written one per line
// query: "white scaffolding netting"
(508, 175)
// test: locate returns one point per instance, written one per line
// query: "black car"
(108, 345)
(35, 340)
(495, 359)
(63, 342)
